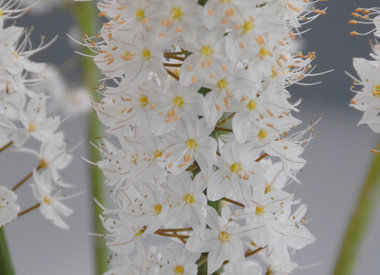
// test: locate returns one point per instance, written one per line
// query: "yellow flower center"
(146, 55)
(32, 127)
(140, 14)
(1, 12)
(189, 198)
(176, 13)
(206, 51)
(248, 26)
(178, 101)
(143, 101)
(222, 84)
(157, 154)
(192, 144)
(47, 200)
(262, 134)
(236, 167)
(179, 269)
(157, 209)
(259, 210)
(252, 105)
(263, 51)
(224, 236)
(377, 90)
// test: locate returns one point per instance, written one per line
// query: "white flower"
(8, 206)
(50, 206)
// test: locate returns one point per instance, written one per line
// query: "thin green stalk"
(6, 266)
(360, 220)
(86, 16)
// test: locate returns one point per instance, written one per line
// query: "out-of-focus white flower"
(9, 208)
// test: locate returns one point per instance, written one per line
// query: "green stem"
(6, 266)
(86, 16)
(360, 220)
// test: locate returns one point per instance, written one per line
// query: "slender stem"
(6, 146)
(233, 202)
(175, 230)
(6, 266)
(87, 17)
(172, 74)
(360, 220)
(223, 129)
(29, 209)
(176, 65)
(21, 182)
(181, 237)
(224, 120)
(262, 157)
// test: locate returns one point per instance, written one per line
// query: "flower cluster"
(23, 116)
(198, 113)
(367, 98)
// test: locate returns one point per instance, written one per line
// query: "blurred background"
(338, 158)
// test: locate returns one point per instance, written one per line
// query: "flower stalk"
(6, 265)
(85, 14)
(360, 221)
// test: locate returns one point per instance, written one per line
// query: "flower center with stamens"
(259, 210)
(236, 167)
(252, 105)
(192, 144)
(146, 55)
(176, 13)
(179, 269)
(224, 236)
(222, 84)
(377, 90)
(140, 14)
(206, 51)
(189, 198)
(157, 209)
(263, 51)
(32, 127)
(47, 200)
(262, 134)
(143, 101)
(178, 101)
(157, 154)
(248, 26)
(1, 12)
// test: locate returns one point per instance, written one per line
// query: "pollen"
(179, 269)
(206, 51)
(192, 143)
(47, 200)
(248, 26)
(178, 101)
(1, 12)
(236, 167)
(128, 56)
(262, 134)
(176, 13)
(224, 236)
(259, 210)
(146, 55)
(377, 90)
(189, 198)
(222, 84)
(157, 209)
(143, 101)
(252, 105)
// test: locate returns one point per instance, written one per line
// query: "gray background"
(337, 159)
